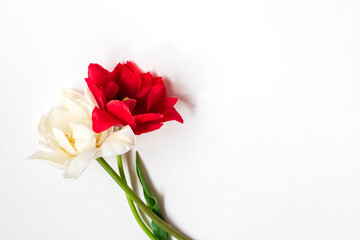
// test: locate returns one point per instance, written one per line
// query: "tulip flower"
(67, 132)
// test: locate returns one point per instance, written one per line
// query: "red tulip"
(126, 96)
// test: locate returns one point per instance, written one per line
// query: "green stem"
(169, 229)
(131, 203)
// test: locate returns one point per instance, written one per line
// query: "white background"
(270, 95)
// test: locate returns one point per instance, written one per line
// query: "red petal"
(147, 128)
(136, 72)
(121, 111)
(128, 80)
(131, 103)
(158, 81)
(102, 120)
(171, 101)
(97, 74)
(147, 122)
(172, 114)
(155, 95)
(146, 85)
(167, 108)
(146, 76)
(97, 93)
(142, 118)
(111, 91)
(113, 75)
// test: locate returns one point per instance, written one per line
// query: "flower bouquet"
(102, 122)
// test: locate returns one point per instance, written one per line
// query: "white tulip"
(67, 131)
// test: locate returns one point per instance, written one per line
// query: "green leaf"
(151, 202)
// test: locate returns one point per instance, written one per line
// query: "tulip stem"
(131, 203)
(129, 192)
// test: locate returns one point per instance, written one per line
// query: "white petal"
(118, 143)
(73, 101)
(71, 94)
(63, 141)
(84, 137)
(55, 118)
(58, 118)
(42, 127)
(101, 137)
(56, 159)
(79, 163)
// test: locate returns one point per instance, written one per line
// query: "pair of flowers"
(102, 121)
